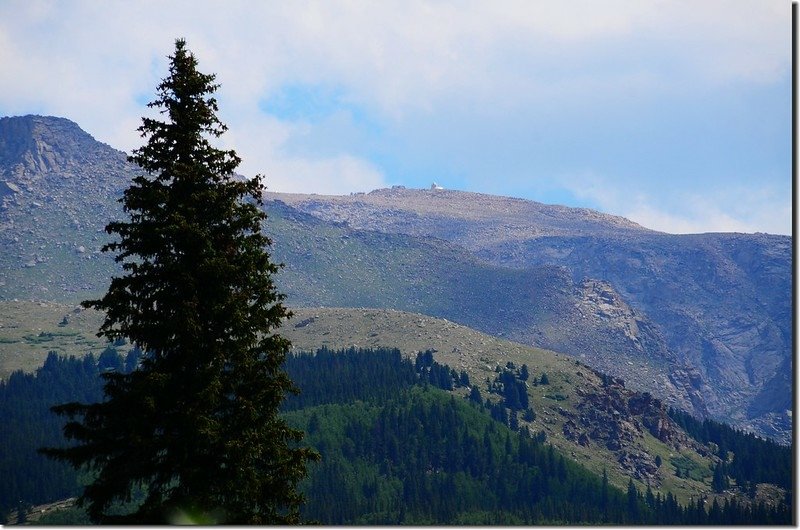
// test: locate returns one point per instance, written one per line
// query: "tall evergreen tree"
(196, 424)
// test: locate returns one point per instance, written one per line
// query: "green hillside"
(593, 420)
(398, 449)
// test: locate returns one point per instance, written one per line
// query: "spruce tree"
(195, 427)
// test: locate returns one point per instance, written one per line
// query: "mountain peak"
(42, 144)
(452, 212)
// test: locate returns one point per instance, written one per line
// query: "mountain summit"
(43, 144)
(42, 154)
(452, 214)
(58, 190)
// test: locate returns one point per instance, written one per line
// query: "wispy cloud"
(751, 207)
(465, 90)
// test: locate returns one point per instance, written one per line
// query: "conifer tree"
(195, 426)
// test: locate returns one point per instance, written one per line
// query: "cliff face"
(615, 418)
(37, 144)
(722, 302)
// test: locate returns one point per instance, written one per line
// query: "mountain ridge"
(578, 288)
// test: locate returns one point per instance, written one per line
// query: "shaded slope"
(723, 302)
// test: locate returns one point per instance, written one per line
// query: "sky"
(675, 114)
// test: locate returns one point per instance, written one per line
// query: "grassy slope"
(22, 347)
(29, 330)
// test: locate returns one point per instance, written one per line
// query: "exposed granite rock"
(58, 190)
(641, 466)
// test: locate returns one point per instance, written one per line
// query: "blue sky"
(675, 114)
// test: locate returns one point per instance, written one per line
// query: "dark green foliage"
(347, 375)
(434, 373)
(529, 414)
(720, 481)
(423, 360)
(632, 502)
(426, 458)
(397, 453)
(475, 395)
(110, 361)
(498, 412)
(754, 459)
(25, 401)
(132, 359)
(544, 380)
(196, 423)
(511, 387)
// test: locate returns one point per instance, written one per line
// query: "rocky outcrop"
(58, 190)
(615, 418)
(599, 299)
(641, 466)
(34, 145)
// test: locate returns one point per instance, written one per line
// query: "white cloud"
(395, 57)
(746, 208)
(709, 219)
(735, 39)
(92, 61)
(263, 142)
(333, 176)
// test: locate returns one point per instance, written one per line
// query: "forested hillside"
(396, 447)
(25, 400)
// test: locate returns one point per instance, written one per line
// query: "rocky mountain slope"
(54, 256)
(721, 302)
(60, 187)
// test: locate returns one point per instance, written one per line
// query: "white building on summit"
(435, 186)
